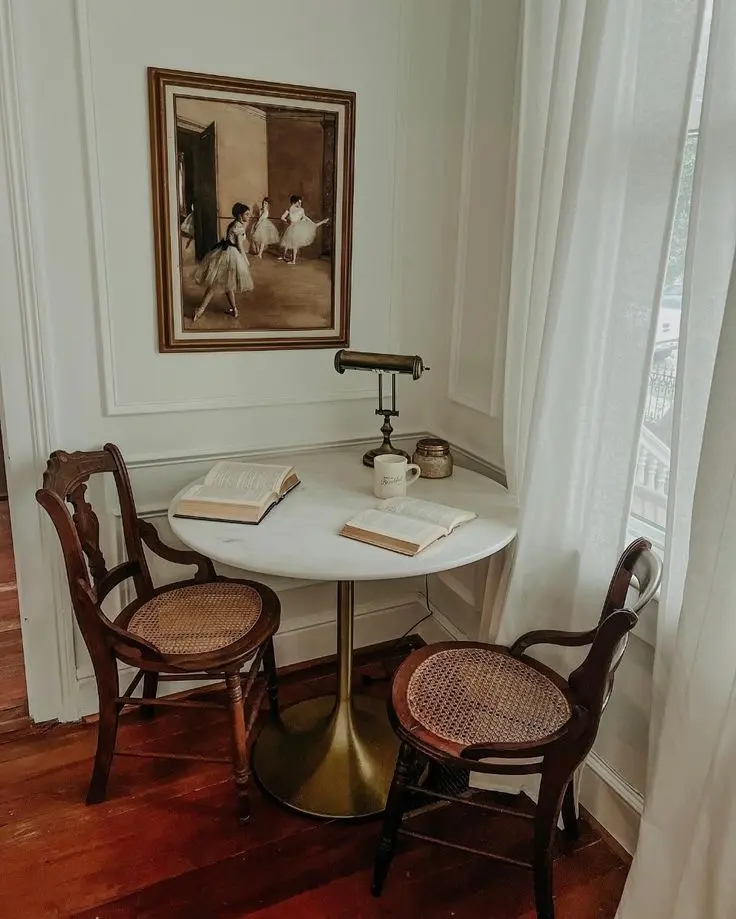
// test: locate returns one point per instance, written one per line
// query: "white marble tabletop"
(300, 537)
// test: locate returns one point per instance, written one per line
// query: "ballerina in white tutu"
(300, 230)
(264, 232)
(225, 267)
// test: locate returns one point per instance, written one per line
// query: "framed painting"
(252, 210)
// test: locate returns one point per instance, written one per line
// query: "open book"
(405, 525)
(237, 492)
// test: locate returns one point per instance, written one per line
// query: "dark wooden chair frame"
(556, 757)
(108, 641)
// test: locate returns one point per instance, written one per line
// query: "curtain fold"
(605, 90)
(687, 845)
(684, 867)
(711, 239)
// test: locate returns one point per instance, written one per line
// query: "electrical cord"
(367, 678)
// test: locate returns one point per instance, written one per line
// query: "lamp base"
(386, 449)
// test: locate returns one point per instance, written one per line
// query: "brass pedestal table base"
(332, 756)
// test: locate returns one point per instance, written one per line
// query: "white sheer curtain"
(605, 89)
(708, 267)
(684, 867)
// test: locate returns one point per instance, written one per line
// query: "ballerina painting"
(236, 270)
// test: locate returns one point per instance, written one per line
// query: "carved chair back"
(638, 564)
(592, 682)
(64, 498)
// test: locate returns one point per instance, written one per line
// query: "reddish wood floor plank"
(167, 845)
(13, 698)
(7, 566)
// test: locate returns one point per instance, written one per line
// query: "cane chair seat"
(197, 618)
(473, 695)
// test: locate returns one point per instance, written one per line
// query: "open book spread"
(237, 492)
(405, 525)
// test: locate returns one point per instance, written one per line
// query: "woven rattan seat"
(473, 695)
(197, 618)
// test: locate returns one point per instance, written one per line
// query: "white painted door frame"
(27, 410)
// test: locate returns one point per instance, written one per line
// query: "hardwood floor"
(167, 845)
(13, 701)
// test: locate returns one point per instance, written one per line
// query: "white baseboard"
(447, 625)
(433, 630)
(614, 803)
(297, 644)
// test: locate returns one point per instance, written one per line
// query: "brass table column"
(332, 756)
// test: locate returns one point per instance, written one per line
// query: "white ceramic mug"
(392, 474)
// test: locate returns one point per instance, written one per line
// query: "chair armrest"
(552, 637)
(149, 535)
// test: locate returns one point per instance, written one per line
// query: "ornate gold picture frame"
(252, 210)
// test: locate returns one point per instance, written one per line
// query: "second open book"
(405, 525)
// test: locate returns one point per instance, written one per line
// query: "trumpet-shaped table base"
(328, 757)
(332, 756)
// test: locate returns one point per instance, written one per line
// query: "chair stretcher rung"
(171, 703)
(469, 849)
(494, 808)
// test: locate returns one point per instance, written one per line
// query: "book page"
(212, 494)
(249, 481)
(440, 514)
(408, 529)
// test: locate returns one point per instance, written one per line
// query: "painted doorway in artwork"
(197, 181)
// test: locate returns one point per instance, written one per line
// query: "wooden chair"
(206, 627)
(464, 703)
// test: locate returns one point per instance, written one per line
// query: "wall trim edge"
(631, 796)
(48, 648)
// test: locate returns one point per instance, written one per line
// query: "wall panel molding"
(113, 404)
(461, 254)
(27, 395)
(485, 393)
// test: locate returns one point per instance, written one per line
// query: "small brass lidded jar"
(432, 455)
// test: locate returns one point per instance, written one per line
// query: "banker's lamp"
(382, 364)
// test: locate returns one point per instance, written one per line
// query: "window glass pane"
(651, 479)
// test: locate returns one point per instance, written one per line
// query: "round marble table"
(333, 756)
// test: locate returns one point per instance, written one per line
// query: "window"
(651, 477)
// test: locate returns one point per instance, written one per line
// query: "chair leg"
(570, 814)
(240, 754)
(150, 688)
(272, 685)
(392, 817)
(545, 823)
(107, 729)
